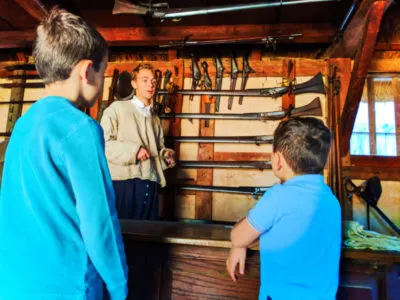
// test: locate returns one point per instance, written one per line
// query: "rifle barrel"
(225, 164)
(32, 85)
(264, 139)
(18, 102)
(249, 116)
(252, 40)
(245, 190)
(186, 12)
(248, 92)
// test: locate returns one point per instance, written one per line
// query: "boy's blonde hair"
(141, 67)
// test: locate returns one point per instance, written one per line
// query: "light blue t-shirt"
(59, 231)
(300, 241)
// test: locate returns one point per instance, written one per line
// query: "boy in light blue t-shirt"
(298, 222)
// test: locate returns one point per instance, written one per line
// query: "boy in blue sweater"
(298, 222)
(59, 232)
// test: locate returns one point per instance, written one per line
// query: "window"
(374, 131)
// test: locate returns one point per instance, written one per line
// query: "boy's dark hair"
(304, 143)
(141, 67)
(63, 39)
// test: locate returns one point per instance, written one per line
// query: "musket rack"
(243, 145)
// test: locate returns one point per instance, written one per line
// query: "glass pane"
(359, 142)
(385, 128)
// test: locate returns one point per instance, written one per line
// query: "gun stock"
(314, 85)
(312, 109)
(261, 165)
(122, 7)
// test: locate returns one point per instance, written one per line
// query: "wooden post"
(288, 75)
(371, 115)
(205, 176)
(168, 212)
(15, 109)
(94, 110)
(396, 92)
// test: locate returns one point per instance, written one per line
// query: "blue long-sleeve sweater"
(59, 232)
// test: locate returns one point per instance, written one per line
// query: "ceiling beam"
(362, 61)
(152, 36)
(348, 44)
(33, 7)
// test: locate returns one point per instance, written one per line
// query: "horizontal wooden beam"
(385, 65)
(12, 14)
(392, 46)
(33, 7)
(152, 36)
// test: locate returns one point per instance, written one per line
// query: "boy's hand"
(236, 256)
(143, 154)
(169, 157)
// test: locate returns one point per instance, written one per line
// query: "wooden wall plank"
(241, 156)
(205, 175)
(173, 206)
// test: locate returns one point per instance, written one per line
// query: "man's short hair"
(64, 39)
(141, 67)
(304, 143)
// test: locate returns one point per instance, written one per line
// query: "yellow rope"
(354, 236)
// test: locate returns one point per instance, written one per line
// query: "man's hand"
(143, 154)
(169, 157)
(236, 256)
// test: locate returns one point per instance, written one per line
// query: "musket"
(18, 102)
(196, 75)
(23, 76)
(314, 85)
(32, 85)
(158, 78)
(269, 40)
(262, 139)
(22, 67)
(162, 10)
(218, 80)
(261, 165)
(167, 78)
(207, 86)
(234, 71)
(255, 192)
(311, 109)
(245, 74)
